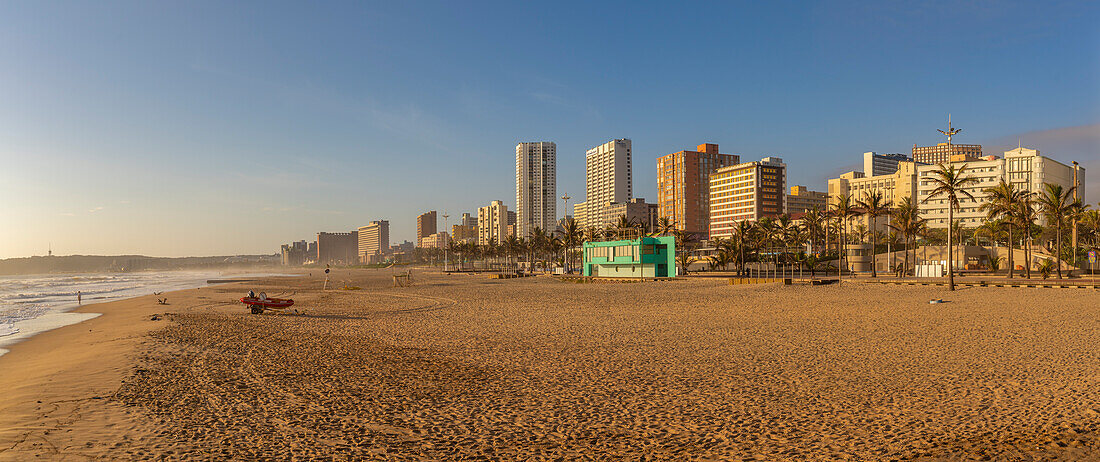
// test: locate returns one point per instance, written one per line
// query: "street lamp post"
(445, 244)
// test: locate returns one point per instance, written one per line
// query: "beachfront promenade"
(463, 366)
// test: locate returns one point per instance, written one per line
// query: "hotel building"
(374, 240)
(747, 191)
(492, 223)
(536, 187)
(337, 248)
(1023, 168)
(683, 186)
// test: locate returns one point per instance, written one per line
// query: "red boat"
(259, 304)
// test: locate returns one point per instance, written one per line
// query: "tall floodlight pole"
(950, 130)
(445, 244)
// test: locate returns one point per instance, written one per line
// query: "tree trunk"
(1058, 249)
(874, 271)
(1010, 252)
(950, 257)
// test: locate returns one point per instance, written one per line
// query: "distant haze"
(214, 128)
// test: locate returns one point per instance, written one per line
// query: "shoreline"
(68, 313)
(66, 368)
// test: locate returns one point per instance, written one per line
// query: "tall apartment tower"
(683, 186)
(536, 187)
(374, 240)
(607, 179)
(492, 223)
(746, 192)
(425, 226)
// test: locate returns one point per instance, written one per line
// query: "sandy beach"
(464, 367)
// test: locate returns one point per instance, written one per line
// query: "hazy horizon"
(211, 129)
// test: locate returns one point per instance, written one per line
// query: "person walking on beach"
(78, 297)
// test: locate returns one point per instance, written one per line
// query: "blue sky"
(195, 128)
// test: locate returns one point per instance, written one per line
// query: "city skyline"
(177, 145)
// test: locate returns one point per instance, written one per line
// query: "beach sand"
(464, 367)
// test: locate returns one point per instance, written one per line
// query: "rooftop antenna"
(951, 131)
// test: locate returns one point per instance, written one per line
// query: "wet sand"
(463, 367)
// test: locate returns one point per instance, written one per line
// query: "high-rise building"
(425, 226)
(337, 248)
(747, 191)
(1025, 169)
(466, 230)
(608, 179)
(802, 200)
(881, 164)
(492, 223)
(374, 240)
(536, 186)
(683, 186)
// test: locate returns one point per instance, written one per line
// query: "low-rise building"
(895, 188)
(802, 200)
(438, 240)
(646, 257)
(466, 230)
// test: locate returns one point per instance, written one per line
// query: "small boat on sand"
(257, 305)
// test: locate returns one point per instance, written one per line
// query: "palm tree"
(683, 240)
(539, 242)
(873, 206)
(1057, 205)
(665, 226)
(1003, 201)
(950, 182)
(843, 209)
(1025, 216)
(812, 223)
(1089, 227)
(742, 236)
(572, 236)
(624, 227)
(786, 232)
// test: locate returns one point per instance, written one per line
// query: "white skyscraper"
(608, 178)
(536, 187)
